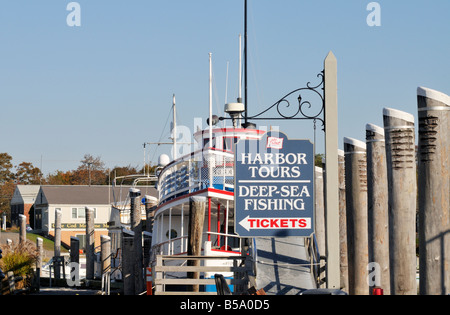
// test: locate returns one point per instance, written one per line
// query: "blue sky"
(106, 87)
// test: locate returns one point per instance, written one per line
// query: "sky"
(105, 87)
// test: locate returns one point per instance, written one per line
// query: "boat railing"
(179, 245)
(208, 168)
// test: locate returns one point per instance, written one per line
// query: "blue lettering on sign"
(274, 187)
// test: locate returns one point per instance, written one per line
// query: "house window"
(80, 213)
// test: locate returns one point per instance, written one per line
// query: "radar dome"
(163, 160)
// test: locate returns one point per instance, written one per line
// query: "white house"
(72, 200)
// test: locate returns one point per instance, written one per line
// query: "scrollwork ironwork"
(299, 112)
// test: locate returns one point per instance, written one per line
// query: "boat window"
(173, 234)
(206, 142)
(228, 143)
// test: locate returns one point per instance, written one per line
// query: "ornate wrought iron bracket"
(305, 110)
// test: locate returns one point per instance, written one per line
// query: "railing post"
(158, 275)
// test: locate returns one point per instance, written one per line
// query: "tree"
(60, 178)
(27, 174)
(91, 171)
(5, 168)
(319, 160)
(7, 185)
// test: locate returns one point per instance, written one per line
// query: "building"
(22, 202)
(72, 200)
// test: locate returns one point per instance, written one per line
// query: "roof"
(25, 194)
(87, 195)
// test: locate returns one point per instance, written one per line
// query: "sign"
(274, 187)
(80, 226)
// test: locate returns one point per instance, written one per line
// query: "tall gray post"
(74, 250)
(74, 278)
(58, 216)
(377, 206)
(195, 233)
(40, 253)
(343, 223)
(90, 243)
(331, 171)
(150, 207)
(128, 273)
(105, 253)
(356, 199)
(147, 248)
(434, 191)
(136, 227)
(401, 168)
(23, 229)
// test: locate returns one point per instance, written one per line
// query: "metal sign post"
(317, 103)
(274, 187)
(331, 172)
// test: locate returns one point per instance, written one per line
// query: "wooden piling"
(377, 204)
(356, 204)
(40, 254)
(74, 249)
(150, 207)
(75, 258)
(434, 191)
(90, 243)
(343, 223)
(136, 227)
(57, 245)
(23, 229)
(195, 234)
(128, 263)
(105, 253)
(401, 169)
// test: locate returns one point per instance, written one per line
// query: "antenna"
(245, 63)
(240, 70)
(226, 83)
(210, 101)
(174, 130)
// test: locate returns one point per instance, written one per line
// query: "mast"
(175, 155)
(245, 63)
(210, 101)
(240, 70)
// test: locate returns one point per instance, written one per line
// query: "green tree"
(6, 166)
(319, 160)
(7, 185)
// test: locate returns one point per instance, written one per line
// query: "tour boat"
(207, 172)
